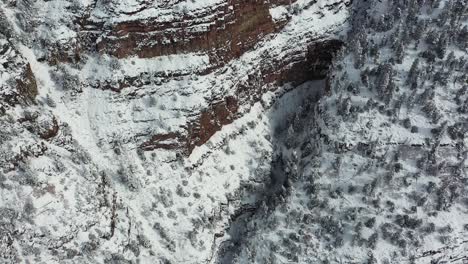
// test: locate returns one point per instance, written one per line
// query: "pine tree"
(384, 80)
(399, 53)
(435, 4)
(451, 61)
(413, 75)
(441, 46)
(462, 38)
(419, 30)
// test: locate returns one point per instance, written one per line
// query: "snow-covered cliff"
(233, 131)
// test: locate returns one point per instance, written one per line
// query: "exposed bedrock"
(17, 81)
(224, 30)
(298, 68)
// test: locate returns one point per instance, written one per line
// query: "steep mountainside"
(233, 131)
(131, 129)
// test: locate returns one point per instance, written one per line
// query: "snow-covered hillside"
(233, 131)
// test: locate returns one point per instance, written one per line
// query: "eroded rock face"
(296, 69)
(17, 81)
(26, 84)
(225, 29)
(221, 31)
(210, 121)
(43, 124)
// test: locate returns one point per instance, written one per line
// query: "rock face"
(311, 65)
(26, 84)
(17, 82)
(210, 121)
(225, 30)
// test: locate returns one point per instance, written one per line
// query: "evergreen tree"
(413, 75)
(399, 53)
(441, 46)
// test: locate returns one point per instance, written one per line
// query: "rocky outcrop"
(205, 125)
(26, 84)
(210, 121)
(17, 81)
(162, 141)
(296, 69)
(43, 124)
(224, 30)
(312, 65)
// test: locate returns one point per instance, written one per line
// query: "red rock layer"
(225, 31)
